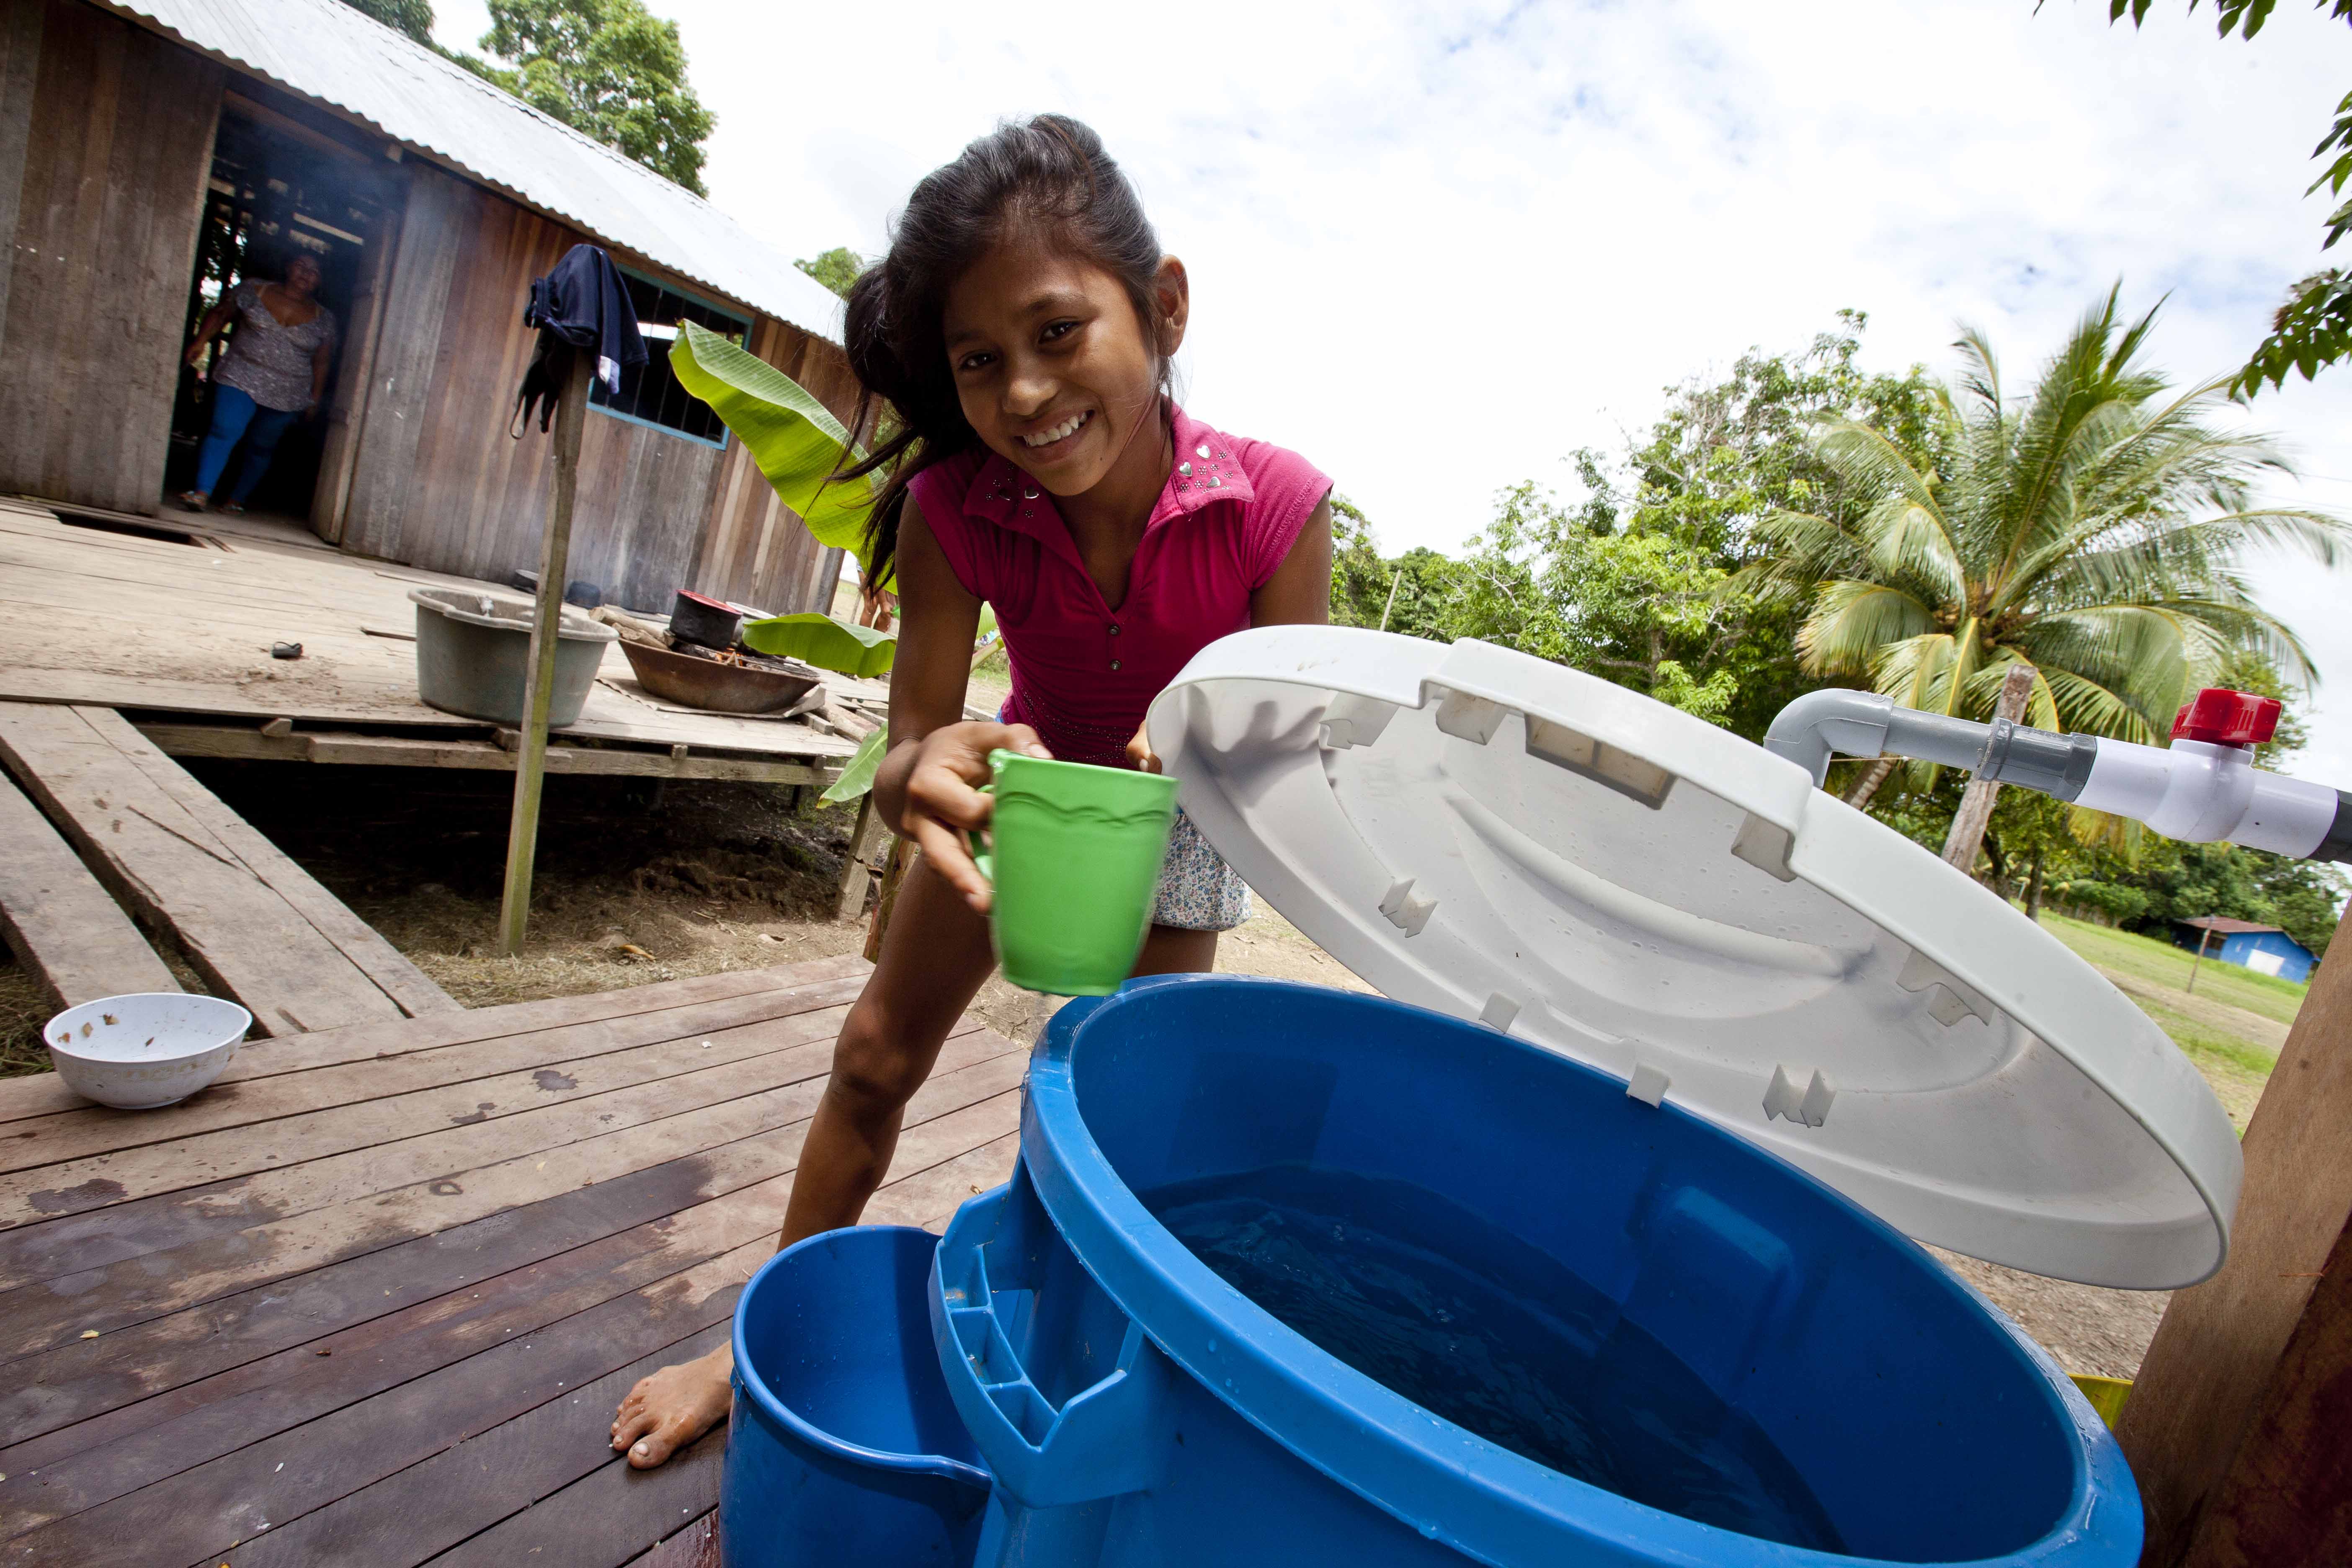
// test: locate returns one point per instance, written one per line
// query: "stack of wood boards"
(256, 926)
(371, 1299)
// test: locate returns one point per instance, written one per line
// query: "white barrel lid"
(1495, 836)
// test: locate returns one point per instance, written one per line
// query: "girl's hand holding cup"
(944, 802)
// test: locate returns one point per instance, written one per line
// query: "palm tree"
(2091, 531)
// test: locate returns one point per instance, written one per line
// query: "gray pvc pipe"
(1864, 724)
(1821, 724)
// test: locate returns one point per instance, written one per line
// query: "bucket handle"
(1107, 1439)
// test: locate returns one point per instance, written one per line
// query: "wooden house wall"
(755, 550)
(438, 482)
(106, 136)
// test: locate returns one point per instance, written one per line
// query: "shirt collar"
(1205, 471)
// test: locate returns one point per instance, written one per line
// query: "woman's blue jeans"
(236, 415)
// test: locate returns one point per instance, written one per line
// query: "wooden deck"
(371, 1298)
(179, 635)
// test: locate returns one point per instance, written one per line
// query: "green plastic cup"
(1075, 862)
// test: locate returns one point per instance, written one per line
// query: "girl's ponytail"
(1051, 172)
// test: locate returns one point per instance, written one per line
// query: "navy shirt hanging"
(583, 304)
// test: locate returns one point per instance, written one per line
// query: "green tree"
(2090, 530)
(608, 68)
(1725, 454)
(1412, 592)
(1642, 609)
(2314, 327)
(837, 268)
(412, 17)
(1631, 581)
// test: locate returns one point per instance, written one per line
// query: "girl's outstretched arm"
(928, 785)
(1298, 593)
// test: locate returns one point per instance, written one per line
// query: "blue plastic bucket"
(1745, 1367)
(845, 1447)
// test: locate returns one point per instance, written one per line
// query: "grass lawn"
(2165, 964)
(2234, 1062)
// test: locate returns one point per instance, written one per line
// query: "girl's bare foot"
(670, 1409)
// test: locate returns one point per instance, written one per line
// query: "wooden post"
(554, 558)
(2237, 1428)
(1967, 834)
(894, 873)
(2204, 935)
(866, 837)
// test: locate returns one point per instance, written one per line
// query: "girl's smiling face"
(1053, 369)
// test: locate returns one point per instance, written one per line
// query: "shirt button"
(1114, 629)
(1113, 664)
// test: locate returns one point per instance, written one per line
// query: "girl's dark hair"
(1051, 173)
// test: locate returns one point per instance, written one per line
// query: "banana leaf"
(823, 641)
(793, 438)
(857, 774)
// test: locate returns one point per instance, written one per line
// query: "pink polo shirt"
(1083, 671)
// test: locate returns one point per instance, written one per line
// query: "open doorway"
(280, 189)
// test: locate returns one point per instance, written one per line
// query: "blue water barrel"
(1289, 1275)
(845, 1447)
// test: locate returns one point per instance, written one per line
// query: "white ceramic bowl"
(146, 1050)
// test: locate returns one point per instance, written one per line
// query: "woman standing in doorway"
(274, 373)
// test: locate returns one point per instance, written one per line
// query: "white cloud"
(1436, 248)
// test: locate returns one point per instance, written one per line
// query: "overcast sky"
(1436, 248)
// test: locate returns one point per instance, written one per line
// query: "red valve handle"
(2220, 717)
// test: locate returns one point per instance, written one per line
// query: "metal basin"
(705, 683)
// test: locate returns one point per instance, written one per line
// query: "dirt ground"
(637, 883)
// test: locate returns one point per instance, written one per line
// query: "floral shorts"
(1198, 891)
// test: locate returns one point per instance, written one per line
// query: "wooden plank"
(439, 1503)
(58, 1312)
(187, 1226)
(411, 990)
(608, 1517)
(216, 1211)
(365, 1131)
(119, 139)
(42, 1096)
(20, 61)
(2287, 1496)
(379, 751)
(99, 1390)
(412, 1514)
(447, 1377)
(696, 1546)
(2217, 1354)
(264, 595)
(416, 305)
(215, 1506)
(240, 933)
(61, 925)
(48, 1145)
(84, 1393)
(130, 1446)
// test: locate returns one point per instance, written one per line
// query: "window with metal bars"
(649, 392)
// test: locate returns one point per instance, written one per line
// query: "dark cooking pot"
(709, 622)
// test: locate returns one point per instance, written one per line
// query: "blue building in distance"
(2265, 949)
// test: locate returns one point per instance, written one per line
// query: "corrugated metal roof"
(326, 51)
(2223, 925)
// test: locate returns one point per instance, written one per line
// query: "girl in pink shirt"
(1019, 334)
